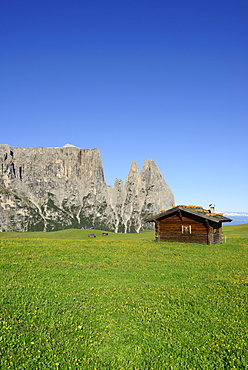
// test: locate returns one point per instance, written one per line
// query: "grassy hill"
(122, 302)
(231, 231)
(78, 234)
(236, 231)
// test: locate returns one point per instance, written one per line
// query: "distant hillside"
(236, 231)
(238, 218)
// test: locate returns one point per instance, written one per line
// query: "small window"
(186, 229)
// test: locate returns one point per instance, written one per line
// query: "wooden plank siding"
(188, 224)
(214, 234)
(170, 229)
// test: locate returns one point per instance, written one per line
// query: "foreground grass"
(123, 304)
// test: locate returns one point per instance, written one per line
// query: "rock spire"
(57, 188)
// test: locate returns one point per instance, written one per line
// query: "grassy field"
(236, 231)
(78, 234)
(122, 302)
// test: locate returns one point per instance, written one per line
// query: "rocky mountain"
(57, 188)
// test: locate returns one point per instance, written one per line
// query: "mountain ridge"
(62, 187)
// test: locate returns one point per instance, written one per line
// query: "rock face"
(45, 189)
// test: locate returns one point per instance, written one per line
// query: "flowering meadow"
(112, 304)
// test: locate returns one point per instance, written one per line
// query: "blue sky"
(166, 80)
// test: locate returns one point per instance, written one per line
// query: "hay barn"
(189, 224)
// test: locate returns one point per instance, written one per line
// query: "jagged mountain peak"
(150, 163)
(57, 188)
(69, 146)
(134, 167)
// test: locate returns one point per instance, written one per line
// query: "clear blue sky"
(166, 80)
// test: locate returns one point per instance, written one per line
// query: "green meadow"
(122, 301)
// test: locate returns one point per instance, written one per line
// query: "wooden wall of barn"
(214, 233)
(170, 229)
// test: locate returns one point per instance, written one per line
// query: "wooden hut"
(189, 224)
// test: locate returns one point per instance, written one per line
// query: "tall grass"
(111, 304)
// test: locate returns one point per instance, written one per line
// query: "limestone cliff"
(142, 195)
(57, 188)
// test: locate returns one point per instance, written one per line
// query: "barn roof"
(194, 210)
